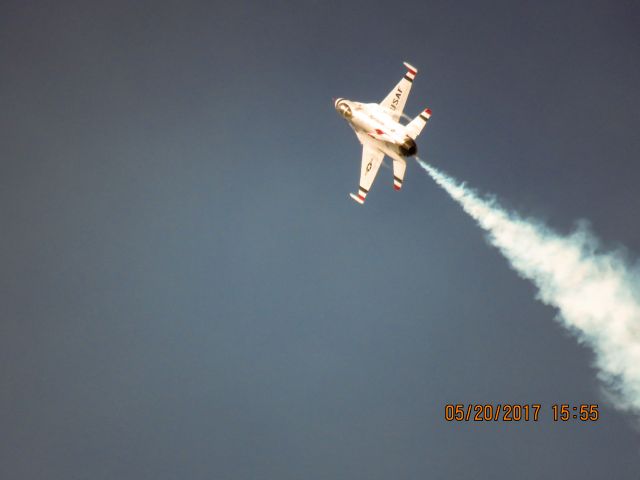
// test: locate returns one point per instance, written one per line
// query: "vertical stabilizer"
(417, 124)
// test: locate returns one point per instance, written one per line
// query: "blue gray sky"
(189, 292)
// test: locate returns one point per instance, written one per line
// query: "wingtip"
(357, 198)
(411, 68)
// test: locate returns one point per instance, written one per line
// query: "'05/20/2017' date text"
(511, 412)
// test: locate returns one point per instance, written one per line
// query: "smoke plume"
(597, 293)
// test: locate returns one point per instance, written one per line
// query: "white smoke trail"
(597, 294)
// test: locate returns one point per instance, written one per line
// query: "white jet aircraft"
(378, 128)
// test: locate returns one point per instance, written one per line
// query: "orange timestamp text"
(490, 412)
(515, 412)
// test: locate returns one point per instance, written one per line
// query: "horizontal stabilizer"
(399, 169)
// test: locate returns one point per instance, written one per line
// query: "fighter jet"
(380, 132)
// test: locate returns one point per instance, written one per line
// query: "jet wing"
(394, 102)
(371, 161)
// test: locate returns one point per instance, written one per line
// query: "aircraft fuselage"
(372, 122)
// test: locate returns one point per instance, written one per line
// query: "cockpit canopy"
(344, 109)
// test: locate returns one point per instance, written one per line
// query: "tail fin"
(417, 124)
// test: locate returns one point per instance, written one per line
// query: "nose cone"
(335, 102)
